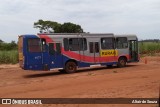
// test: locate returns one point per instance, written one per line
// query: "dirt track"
(136, 80)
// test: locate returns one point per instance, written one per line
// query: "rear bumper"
(44, 67)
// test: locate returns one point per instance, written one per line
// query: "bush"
(9, 57)
(8, 46)
(149, 47)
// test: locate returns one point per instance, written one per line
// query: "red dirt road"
(137, 80)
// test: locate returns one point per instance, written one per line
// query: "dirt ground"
(137, 80)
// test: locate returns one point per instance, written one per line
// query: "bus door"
(56, 58)
(133, 50)
(108, 52)
(45, 55)
(94, 51)
(82, 48)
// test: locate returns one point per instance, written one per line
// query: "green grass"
(9, 57)
(149, 48)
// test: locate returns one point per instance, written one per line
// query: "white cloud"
(139, 17)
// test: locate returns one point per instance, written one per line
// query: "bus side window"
(58, 48)
(43, 45)
(107, 43)
(91, 48)
(51, 49)
(66, 44)
(82, 44)
(74, 44)
(96, 47)
(121, 42)
(85, 44)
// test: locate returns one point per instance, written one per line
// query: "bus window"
(96, 47)
(73, 44)
(66, 44)
(91, 48)
(121, 42)
(43, 45)
(58, 48)
(77, 44)
(107, 43)
(51, 49)
(83, 44)
(34, 45)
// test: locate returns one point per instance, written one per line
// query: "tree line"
(8, 46)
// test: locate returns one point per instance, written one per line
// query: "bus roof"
(75, 33)
(63, 35)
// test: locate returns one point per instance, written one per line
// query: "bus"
(69, 51)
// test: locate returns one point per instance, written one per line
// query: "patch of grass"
(149, 48)
(9, 57)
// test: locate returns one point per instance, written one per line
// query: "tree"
(13, 45)
(46, 26)
(71, 28)
(8, 46)
(51, 26)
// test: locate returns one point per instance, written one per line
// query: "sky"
(140, 17)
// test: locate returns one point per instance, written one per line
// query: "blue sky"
(140, 17)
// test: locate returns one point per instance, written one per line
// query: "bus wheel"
(121, 62)
(70, 67)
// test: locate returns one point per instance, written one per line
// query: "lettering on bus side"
(109, 53)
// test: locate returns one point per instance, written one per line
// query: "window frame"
(80, 46)
(66, 44)
(113, 43)
(84, 44)
(94, 47)
(91, 47)
(51, 49)
(58, 48)
(122, 43)
(43, 46)
(29, 45)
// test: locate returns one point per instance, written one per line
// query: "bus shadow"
(101, 68)
(43, 74)
(78, 71)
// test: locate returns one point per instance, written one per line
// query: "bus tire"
(121, 62)
(70, 67)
